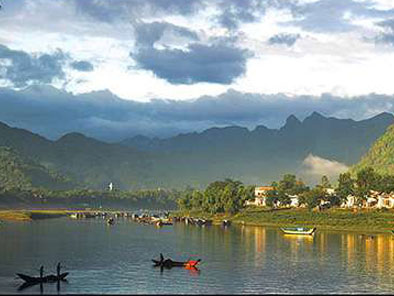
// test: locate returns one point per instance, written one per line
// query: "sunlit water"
(116, 259)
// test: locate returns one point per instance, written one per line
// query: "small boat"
(111, 221)
(162, 223)
(45, 279)
(299, 230)
(74, 216)
(226, 223)
(55, 278)
(168, 263)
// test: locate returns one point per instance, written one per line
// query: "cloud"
(387, 36)
(22, 68)
(332, 15)
(314, 167)
(283, 38)
(218, 63)
(115, 10)
(52, 112)
(149, 33)
(83, 66)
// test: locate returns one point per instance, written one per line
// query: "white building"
(295, 202)
(260, 196)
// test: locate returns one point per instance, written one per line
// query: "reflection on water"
(242, 259)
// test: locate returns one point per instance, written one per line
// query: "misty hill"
(381, 155)
(263, 154)
(84, 160)
(20, 173)
(196, 159)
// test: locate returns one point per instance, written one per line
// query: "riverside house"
(375, 199)
(260, 196)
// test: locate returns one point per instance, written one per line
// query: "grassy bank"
(332, 219)
(29, 215)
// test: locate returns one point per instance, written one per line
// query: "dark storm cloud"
(52, 112)
(83, 66)
(21, 68)
(283, 38)
(219, 63)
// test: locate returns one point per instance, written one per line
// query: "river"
(239, 259)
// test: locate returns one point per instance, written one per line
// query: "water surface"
(116, 259)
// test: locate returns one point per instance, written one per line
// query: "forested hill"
(381, 155)
(21, 173)
(196, 159)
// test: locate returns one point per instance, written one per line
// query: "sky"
(119, 68)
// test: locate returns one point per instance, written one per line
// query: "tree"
(325, 182)
(312, 197)
(289, 185)
(366, 181)
(345, 186)
(386, 184)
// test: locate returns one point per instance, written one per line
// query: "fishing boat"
(168, 263)
(299, 230)
(45, 279)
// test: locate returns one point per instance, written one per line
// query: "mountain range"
(253, 156)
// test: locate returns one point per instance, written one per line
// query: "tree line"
(229, 196)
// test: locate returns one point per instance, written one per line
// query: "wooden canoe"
(45, 279)
(299, 230)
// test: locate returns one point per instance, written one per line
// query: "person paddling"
(58, 267)
(42, 272)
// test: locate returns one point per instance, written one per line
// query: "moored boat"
(162, 223)
(298, 230)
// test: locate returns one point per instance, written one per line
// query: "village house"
(294, 201)
(375, 199)
(350, 202)
(385, 201)
(260, 196)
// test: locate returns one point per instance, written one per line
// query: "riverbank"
(29, 215)
(332, 219)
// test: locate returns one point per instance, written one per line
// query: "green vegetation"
(213, 203)
(226, 196)
(330, 219)
(381, 155)
(19, 173)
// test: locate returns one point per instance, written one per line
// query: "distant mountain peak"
(384, 116)
(314, 117)
(292, 120)
(74, 136)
